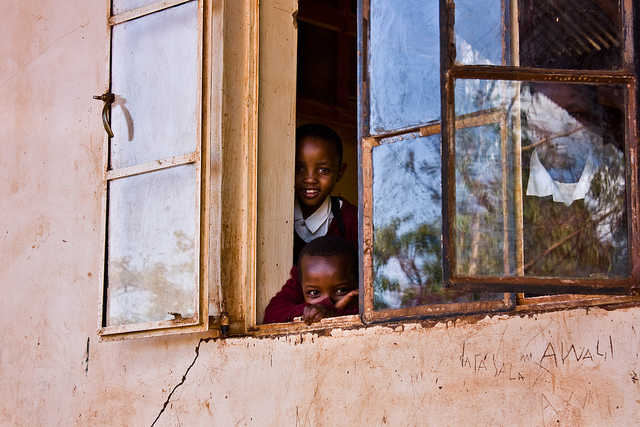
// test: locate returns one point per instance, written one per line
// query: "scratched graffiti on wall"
(554, 356)
(562, 371)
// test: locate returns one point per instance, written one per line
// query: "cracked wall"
(576, 367)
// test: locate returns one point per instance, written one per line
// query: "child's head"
(318, 165)
(328, 267)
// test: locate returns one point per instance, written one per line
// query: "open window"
(308, 65)
(159, 243)
(512, 137)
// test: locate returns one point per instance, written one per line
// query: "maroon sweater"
(350, 218)
(289, 302)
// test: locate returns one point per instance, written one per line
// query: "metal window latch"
(108, 99)
(177, 317)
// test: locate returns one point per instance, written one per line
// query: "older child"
(324, 284)
(318, 168)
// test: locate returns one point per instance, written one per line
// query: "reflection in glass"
(151, 246)
(154, 77)
(556, 34)
(404, 64)
(479, 41)
(571, 34)
(569, 139)
(407, 220)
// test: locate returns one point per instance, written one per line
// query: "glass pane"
(121, 6)
(479, 41)
(571, 34)
(407, 217)
(570, 220)
(404, 64)
(154, 76)
(152, 246)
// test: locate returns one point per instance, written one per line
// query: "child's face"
(317, 171)
(324, 277)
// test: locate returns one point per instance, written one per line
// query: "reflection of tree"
(418, 255)
(586, 239)
(479, 216)
(145, 293)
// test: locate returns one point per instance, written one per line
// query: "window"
(510, 137)
(462, 198)
(158, 171)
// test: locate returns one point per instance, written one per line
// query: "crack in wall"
(184, 378)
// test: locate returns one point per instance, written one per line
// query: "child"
(318, 168)
(324, 284)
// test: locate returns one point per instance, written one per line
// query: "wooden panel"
(276, 148)
(238, 162)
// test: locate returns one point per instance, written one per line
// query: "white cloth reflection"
(541, 184)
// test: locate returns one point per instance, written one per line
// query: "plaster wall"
(576, 367)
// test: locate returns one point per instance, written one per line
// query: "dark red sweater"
(289, 302)
(350, 218)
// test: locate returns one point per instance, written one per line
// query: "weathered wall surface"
(573, 367)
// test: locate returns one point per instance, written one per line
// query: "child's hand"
(348, 301)
(315, 312)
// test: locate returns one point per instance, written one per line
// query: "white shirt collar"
(541, 184)
(316, 224)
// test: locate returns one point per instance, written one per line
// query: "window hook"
(108, 99)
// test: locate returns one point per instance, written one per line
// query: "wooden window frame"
(248, 127)
(263, 219)
(204, 159)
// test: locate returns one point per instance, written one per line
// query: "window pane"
(571, 34)
(562, 145)
(121, 6)
(407, 217)
(152, 248)
(479, 41)
(155, 78)
(404, 64)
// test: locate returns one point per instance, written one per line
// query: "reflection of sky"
(478, 32)
(406, 181)
(404, 63)
(406, 184)
(404, 56)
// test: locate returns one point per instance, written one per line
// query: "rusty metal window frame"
(367, 142)
(625, 77)
(203, 180)
(512, 286)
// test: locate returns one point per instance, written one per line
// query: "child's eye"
(313, 293)
(324, 170)
(342, 291)
(299, 169)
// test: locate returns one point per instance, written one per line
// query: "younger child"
(318, 168)
(324, 284)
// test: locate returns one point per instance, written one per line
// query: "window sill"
(352, 321)
(524, 306)
(559, 302)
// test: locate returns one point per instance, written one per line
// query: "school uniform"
(335, 217)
